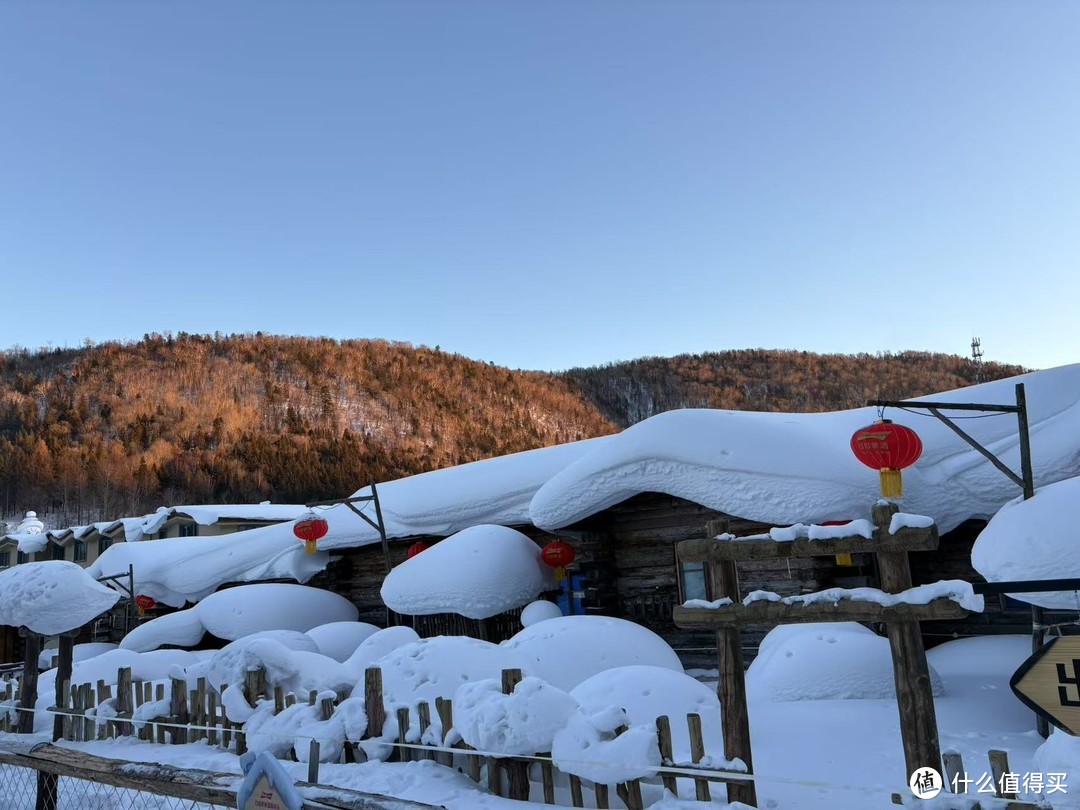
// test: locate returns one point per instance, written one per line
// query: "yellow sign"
(1049, 683)
(264, 797)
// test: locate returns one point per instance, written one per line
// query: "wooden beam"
(710, 550)
(28, 685)
(846, 610)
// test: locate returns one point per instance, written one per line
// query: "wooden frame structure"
(915, 700)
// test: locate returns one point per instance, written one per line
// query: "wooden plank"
(667, 755)
(28, 688)
(64, 665)
(709, 550)
(846, 610)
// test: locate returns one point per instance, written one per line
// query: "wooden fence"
(197, 714)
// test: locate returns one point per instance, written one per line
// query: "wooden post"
(517, 772)
(313, 762)
(211, 720)
(373, 702)
(667, 753)
(999, 766)
(731, 688)
(445, 710)
(629, 792)
(423, 713)
(64, 665)
(123, 699)
(404, 755)
(954, 771)
(602, 801)
(697, 753)
(179, 711)
(576, 797)
(28, 684)
(911, 673)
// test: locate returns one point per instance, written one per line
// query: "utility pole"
(976, 358)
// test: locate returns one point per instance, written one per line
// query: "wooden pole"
(64, 665)
(731, 688)
(28, 685)
(911, 673)
(517, 771)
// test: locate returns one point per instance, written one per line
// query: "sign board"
(264, 797)
(1048, 683)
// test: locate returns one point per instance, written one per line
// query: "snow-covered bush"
(567, 650)
(588, 747)
(522, 723)
(827, 661)
(339, 640)
(539, 611)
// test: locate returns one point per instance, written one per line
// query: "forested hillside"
(120, 429)
(769, 380)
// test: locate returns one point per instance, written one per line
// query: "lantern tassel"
(892, 483)
(309, 546)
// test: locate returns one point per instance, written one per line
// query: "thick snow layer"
(974, 669)
(187, 569)
(954, 589)
(79, 652)
(209, 514)
(1034, 539)
(479, 572)
(522, 723)
(588, 747)
(339, 640)
(378, 644)
(1060, 755)
(439, 503)
(646, 693)
(241, 611)
(539, 611)
(829, 661)
(436, 667)
(51, 597)
(782, 468)
(570, 649)
(292, 639)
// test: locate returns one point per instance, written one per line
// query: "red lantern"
(888, 448)
(309, 529)
(417, 547)
(144, 603)
(558, 554)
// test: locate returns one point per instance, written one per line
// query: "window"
(693, 583)
(23, 557)
(57, 551)
(80, 551)
(245, 527)
(188, 530)
(5, 559)
(103, 543)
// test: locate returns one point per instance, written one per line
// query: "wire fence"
(26, 788)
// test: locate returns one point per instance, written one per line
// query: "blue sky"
(546, 184)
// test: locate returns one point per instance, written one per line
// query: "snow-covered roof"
(209, 514)
(782, 468)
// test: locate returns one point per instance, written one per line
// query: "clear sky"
(546, 184)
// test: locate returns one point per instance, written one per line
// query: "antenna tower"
(976, 358)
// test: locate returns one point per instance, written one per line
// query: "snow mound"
(646, 693)
(828, 661)
(539, 611)
(479, 572)
(241, 611)
(292, 639)
(522, 723)
(339, 640)
(51, 597)
(587, 746)
(79, 652)
(1060, 754)
(1034, 539)
(377, 645)
(568, 650)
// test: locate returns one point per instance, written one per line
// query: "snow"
(646, 693)
(378, 644)
(79, 652)
(538, 611)
(209, 514)
(903, 520)
(956, 590)
(188, 569)
(522, 723)
(782, 468)
(262, 766)
(568, 650)
(827, 661)
(339, 640)
(51, 597)
(236, 612)
(479, 572)
(587, 746)
(1060, 754)
(1034, 539)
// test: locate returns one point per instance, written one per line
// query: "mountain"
(121, 428)
(771, 380)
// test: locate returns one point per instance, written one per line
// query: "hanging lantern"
(888, 448)
(144, 603)
(309, 529)
(558, 554)
(417, 547)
